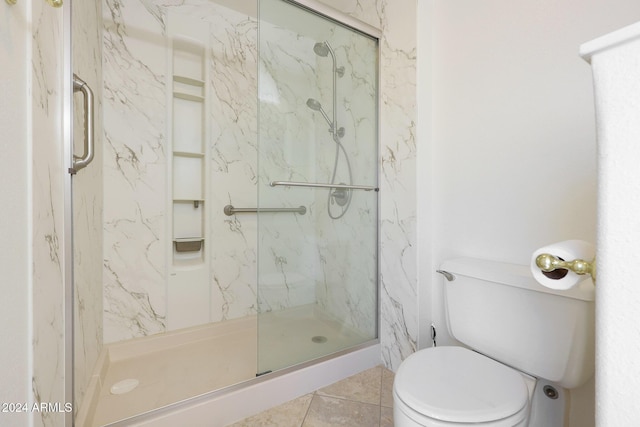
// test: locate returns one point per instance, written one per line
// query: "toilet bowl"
(524, 343)
(454, 386)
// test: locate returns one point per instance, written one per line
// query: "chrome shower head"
(321, 49)
(324, 49)
(315, 105)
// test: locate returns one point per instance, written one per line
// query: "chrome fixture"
(450, 277)
(230, 210)
(315, 105)
(81, 162)
(340, 197)
(322, 185)
(54, 3)
(323, 49)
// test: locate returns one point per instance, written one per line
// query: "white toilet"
(528, 344)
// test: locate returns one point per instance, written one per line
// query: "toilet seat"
(456, 385)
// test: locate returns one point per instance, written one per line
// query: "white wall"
(616, 65)
(513, 137)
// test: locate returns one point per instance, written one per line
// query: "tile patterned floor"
(363, 400)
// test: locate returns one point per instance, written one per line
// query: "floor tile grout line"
(306, 414)
(381, 383)
(380, 396)
(319, 394)
(348, 399)
(344, 399)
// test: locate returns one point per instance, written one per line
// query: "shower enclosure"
(236, 168)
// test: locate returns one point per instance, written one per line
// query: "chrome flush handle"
(450, 277)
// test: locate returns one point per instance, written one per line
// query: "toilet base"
(545, 411)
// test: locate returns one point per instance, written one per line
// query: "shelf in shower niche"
(188, 97)
(194, 201)
(188, 244)
(188, 81)
(188, 154)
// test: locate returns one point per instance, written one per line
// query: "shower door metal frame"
(67, 130)
(324, 10)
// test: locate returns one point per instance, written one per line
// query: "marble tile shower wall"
(87, 201)
(233, 174)
(349, 292)
(135, 169)
(48, 238)
(135, 172)
(285, 257)
(134, 96)
(135, 189)
(329, 262)
(398, 255)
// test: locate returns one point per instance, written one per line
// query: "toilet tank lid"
(513, 275)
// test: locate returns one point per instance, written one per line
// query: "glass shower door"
(317, 186)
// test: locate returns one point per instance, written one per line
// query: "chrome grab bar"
(319, 185)
(81, 162)
(54, 3)
(230, 210)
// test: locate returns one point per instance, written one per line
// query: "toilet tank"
(499, 310)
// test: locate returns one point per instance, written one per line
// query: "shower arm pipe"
(322, 185)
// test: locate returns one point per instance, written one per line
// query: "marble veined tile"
(386, 417)
(332, 412)
(363, 387)
(386, 394)
(339, 404)
(290, 414)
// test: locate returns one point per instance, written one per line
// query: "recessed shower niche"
(188, 281)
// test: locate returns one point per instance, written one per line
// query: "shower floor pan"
(179, 365)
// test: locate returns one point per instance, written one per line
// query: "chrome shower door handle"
(81, 162)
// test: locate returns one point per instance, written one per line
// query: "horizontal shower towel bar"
(230, 210)
(322, 185)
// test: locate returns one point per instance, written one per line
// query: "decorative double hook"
(548, 263)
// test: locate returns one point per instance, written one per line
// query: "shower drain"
(319, 339)
(124, 386)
